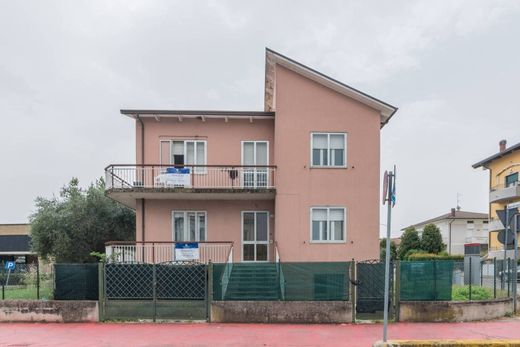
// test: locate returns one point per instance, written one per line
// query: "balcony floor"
(128, 196)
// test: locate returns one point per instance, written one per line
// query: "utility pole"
(389, 197)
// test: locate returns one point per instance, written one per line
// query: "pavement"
(250, 335)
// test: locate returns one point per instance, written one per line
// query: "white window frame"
(328, 166)
(470, 225)
(255, 242)
(255, 170)
(186, 230)
(200, 170)
(328, 208)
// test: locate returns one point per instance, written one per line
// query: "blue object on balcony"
(171, 170)
(185, 170)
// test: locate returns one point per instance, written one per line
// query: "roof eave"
(386, 110)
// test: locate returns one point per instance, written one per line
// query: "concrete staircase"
(253, 281)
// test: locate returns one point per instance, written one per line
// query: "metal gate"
(173, 291)
(371, 289)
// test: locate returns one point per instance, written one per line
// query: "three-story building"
(299, 180)
(504, 189)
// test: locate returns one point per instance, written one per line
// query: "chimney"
(453, 212)
(502, 145)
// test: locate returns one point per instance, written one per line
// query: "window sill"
(328, 167)
(327, 242)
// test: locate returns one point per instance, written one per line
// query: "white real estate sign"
(187, 251)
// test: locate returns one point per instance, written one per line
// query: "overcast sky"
(67, 67)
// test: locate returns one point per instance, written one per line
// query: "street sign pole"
(515, 264)
(389, 185)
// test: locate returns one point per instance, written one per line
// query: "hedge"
(431, 256)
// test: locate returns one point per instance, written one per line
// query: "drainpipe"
(449, 236)
(142, 163)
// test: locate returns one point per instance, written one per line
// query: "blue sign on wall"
(10, 265)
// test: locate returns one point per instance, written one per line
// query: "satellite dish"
(510, 237)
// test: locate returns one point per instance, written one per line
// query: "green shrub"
(421, 255)
(461, 293)
(412, 251)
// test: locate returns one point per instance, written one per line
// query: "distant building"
(504, 188)
(459, 228)
(15, 244)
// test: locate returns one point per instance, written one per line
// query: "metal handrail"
(192, 165)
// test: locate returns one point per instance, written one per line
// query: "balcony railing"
(504, 185)
(190, 176)
(505, 192)
(163, 252)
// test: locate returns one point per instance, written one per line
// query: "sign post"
(388, 196)
(9, 266)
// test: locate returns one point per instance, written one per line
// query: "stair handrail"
(226, 274)
(279, 270)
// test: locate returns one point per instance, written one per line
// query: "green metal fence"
(289, 281)
(26, 282)
(76, 281)
(426, 280)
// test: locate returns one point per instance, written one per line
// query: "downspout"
(449, 236)
(142, 163)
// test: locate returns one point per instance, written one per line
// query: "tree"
(409, 240)
(382, 250)
(69, 227)
(431, 240)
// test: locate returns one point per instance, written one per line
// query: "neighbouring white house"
(459, 228)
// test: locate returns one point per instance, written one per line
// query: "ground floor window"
(328, 224)
(189, 226)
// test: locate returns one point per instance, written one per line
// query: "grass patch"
(461, 293)
(27, 293)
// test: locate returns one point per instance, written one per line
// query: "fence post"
(481, 273)
(470, 278)
(494, 277)
(434, 280)
(101, 290)
(353, 289)
(508, 277)
(38, 279)
(3, 292)
(397, 290)
(154, 287)
(209, 290)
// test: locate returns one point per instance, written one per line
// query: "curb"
(448, 343)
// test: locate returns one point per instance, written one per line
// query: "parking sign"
(10, 265)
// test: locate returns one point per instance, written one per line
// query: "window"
(327, 224)
(328, 149)
(184, 152)
(189, 226)
(470, 225)
(512, 179)
(485, 225)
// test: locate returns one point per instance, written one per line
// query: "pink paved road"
(250, 335)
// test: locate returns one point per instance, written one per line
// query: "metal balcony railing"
(189, 176)
(164, 252)
(503, 185)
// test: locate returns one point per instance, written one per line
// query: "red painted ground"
(250, 335)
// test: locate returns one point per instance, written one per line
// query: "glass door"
(255, 236)
(255, 153)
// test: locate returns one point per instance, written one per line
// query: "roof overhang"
(496, 156)
(386, 110)
(200, 114)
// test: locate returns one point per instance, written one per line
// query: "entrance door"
(255, 153)
(255, 236)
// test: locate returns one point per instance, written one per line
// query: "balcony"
(126, 183)
(165, 252)
(502, 193)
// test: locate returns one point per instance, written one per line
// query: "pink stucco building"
(297, 181)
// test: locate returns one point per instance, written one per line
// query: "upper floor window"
(512, 179)
(485, 225)
(328, 149)
(189, 226)
(470, 225)
(184, 152)
(327, 224)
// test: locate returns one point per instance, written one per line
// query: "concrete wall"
(453, 311)
(281, 312)
(48, 311)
